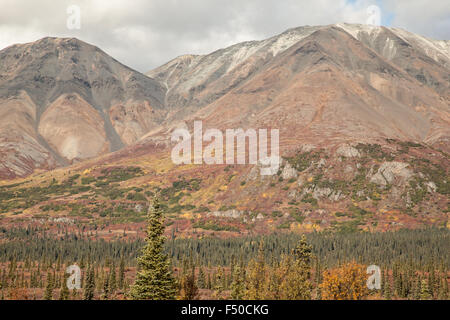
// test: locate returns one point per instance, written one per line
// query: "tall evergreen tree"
(238, 284)
(296, 284)
(445, 285)
(256, 276)
(219, 286)
(112, 279)
(189, 289)
(154, 280)
(442, 295)
(387, 289)
(424, 290)
(74, 294)
(64, 292)
(106, 288)
(121, 273)
(201, 281)
(209, 282)
(89, 286)
(417, 287)
(48, 295)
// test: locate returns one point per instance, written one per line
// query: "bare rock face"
(321, 85)
(253, 174)
(289, 172)
(20, 149)
(332, 86)
(232, 214)
(347, 151)
(431, 186)
(73, 128)
(133, 119)
(336, 195)
(307, 147)
(321, 193)
(389, 171)
(22, 154)
(56, 95)
(264, 171)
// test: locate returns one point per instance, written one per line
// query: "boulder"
(321, 193)
(388, 171)
(347, 151)
(431, 186)
(233, 214)
(289, 172)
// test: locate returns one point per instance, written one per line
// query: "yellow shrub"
(347, 282)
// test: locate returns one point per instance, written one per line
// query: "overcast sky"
(145, 34)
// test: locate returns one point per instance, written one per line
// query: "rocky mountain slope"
(324, 84)
(363, 114)
(361, 187)
(63, 100)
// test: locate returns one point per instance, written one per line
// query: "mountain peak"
(70, 101)
(333, 83)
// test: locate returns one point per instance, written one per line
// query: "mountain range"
(63, 100)
(363, 114)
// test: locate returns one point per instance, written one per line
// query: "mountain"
(363, 114)
(324, 84)
(63, 100)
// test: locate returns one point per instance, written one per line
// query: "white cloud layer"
(145, 34)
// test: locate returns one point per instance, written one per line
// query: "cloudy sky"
(145, 34)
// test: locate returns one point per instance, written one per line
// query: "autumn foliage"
(347, 282)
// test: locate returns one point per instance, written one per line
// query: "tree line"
(414, 265)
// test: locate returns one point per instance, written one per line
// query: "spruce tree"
(201, 281)
(189, 289)
(64, 292)
(154, 280)
(442, 295)
(106, 288)
(219, 287)
(383, 277)
(209, 282)
(387, 287)
(256, 276)
(89, 284)
(417, 287)
(48, 295)
(238, 284)
(74, 294)
(277, 273)
(296, 284)
(445, 285)
(424, 291)
(121, 273)
(112, 280)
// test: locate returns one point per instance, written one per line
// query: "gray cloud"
(145, 34)
(428, 18)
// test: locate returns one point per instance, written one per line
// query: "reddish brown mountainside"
(319, 85)
(64, 101)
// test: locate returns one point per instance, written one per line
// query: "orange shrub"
(347, 282)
